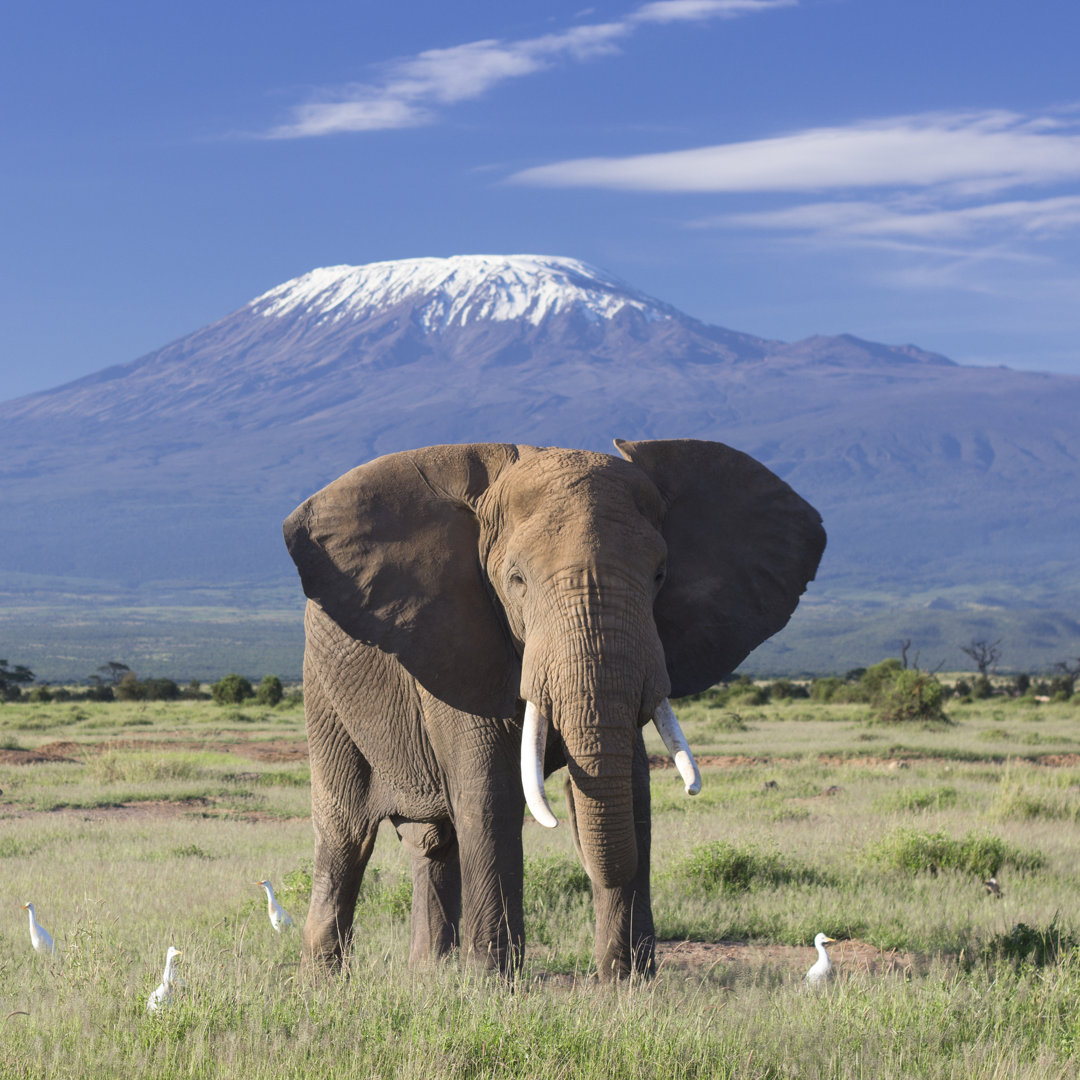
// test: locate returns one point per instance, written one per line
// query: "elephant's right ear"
(390, 552)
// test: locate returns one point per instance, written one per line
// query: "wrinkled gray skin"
(448, 585)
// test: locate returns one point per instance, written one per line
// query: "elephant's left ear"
(742, 546)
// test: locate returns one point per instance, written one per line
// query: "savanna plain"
(135, 826)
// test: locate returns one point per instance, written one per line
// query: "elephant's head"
(590, 587)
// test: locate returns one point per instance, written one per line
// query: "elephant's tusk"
(533, 744)
(678, 747)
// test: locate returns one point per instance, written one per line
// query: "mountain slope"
(170, 475)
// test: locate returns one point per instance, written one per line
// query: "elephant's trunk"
(600, 759)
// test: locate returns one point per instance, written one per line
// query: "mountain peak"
(454, 291)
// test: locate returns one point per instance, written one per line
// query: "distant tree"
(231, 690)
(113, 672)
(129, 688)
(11, 680)
(985, 654)
(1065, 683)
(40, 695)
(160, 690)
(270, 690)
(193, 691)
(1021, 684)
(98, 689)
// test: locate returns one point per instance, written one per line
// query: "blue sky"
(905, 170)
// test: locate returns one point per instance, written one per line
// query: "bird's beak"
(830, 941)
(26, 907)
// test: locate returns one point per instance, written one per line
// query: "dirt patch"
(1060, 761)
(152, 808)
(848, 957)
(275, 750)
(56, 751)
(732, 962)
(715, 761)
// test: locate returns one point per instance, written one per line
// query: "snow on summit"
(457, 290)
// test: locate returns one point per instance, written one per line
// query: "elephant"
(481, 615)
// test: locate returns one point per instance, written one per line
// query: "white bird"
(163, 994)
(39, 936)
(818, 975)
(280, 919)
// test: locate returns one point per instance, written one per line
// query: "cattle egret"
(818, 975)
(163, 994)
(39, 936)
(993, 888)
(280, 919)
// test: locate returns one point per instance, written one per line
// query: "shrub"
(193, 691)
(270, 690)
(909, 694)
(129, 688)
(720, 866)
(785, 690)
(160, 690)
(99, 690)
(296, 884)
(40, 695)
(387, 893)
(913, 852)
(982, 689)
(1032, 945)
(744, 691)
(231, 690)
(824, 689)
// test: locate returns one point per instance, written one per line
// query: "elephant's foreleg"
(436, 879)
(345, 824)
(488, 814)
(625, 934)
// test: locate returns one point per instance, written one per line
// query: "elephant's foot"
(631, 961)
(324, 947)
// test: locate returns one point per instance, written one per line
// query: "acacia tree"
(985, 654)
(1066, 681)
(114, 671)
(11, 679)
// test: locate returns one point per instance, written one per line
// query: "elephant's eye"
(661, 573)
(516, 580)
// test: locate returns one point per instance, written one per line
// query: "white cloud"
(1038, 217)
(682, 10)
(413, 85)
(990, 150)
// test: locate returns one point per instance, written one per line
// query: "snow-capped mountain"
(940, 484)
(445, 293)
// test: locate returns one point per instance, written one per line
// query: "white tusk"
(678, 747)
(533, 744)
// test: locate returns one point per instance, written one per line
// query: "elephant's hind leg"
(436, 879)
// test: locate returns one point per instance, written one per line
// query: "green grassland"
(135, 826)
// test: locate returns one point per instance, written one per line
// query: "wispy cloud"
(685, 10)
(972, 151)
(871, 220)
(927, 192)
(411, 89)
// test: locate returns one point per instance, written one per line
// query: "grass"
(885, 840)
